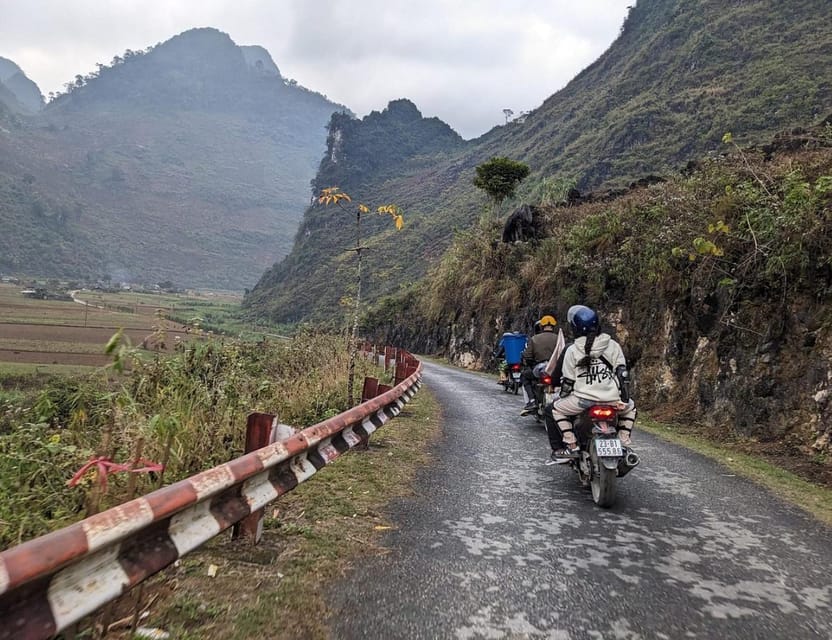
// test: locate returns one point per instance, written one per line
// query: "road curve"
(498, 545)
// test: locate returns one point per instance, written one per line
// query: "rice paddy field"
(69, 336)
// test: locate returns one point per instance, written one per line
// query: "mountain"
(680, 74)
(17, 91)
(189, 161)
(678, 77)
(380, 145)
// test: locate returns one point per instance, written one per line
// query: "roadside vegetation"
(735, 226)
(312, 537)
(182, 404)
(160, 391)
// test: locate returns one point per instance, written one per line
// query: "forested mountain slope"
(187, 162)
(680, 75)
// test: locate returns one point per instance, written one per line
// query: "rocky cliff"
(717, 282)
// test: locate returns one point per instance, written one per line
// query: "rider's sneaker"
(565, 455)
(559, 456)
(531, 407)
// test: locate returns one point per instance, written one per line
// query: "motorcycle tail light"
(546, 378)
(515, 367)
(602, 413)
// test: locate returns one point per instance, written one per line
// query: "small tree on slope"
(499, 178)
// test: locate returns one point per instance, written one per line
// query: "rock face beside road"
(498, 545)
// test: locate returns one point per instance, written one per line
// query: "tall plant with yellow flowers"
(334, 196)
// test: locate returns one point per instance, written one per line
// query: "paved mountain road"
(498, 545)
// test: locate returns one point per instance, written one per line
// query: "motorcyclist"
(538, 349)
(594, 372)
(509, 350)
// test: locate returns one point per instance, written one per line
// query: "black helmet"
(583, 320)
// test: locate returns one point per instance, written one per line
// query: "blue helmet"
(583, 320)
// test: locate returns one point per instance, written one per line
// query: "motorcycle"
(511, 383)
(602, 459)
(544, 396)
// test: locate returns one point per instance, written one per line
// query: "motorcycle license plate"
(515, 376)
(608, 448)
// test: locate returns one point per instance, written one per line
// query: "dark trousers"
(555, 436)
(527, 379)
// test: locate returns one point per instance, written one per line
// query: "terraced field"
(37, 332)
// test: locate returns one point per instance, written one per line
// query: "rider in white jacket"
(594, 371)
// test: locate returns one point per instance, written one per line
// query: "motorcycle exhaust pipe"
(628, 463)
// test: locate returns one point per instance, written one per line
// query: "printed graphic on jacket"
(597, 372)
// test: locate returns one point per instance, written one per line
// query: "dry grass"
(311, 538)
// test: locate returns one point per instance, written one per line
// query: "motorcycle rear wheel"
(603, 484)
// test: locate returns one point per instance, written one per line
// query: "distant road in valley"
(498, 545)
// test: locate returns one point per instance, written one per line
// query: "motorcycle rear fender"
(603, 427)
(610, 463)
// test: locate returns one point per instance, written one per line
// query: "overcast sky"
(461, 60)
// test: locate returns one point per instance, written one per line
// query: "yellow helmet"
(547, 321)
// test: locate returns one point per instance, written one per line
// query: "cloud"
(463, 61)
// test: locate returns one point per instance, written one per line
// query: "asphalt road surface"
(498, 545)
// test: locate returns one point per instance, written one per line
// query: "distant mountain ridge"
(189, 162)
(680, 75)
(17, 91)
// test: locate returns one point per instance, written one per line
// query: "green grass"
(814, 499)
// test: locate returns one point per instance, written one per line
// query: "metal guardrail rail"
(51, 582)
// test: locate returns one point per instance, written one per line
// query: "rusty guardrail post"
(404, 368)
(258, 435)
(370, 389)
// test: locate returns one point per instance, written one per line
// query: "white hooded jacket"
(598, 381)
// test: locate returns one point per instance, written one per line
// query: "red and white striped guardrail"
(51, 582)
